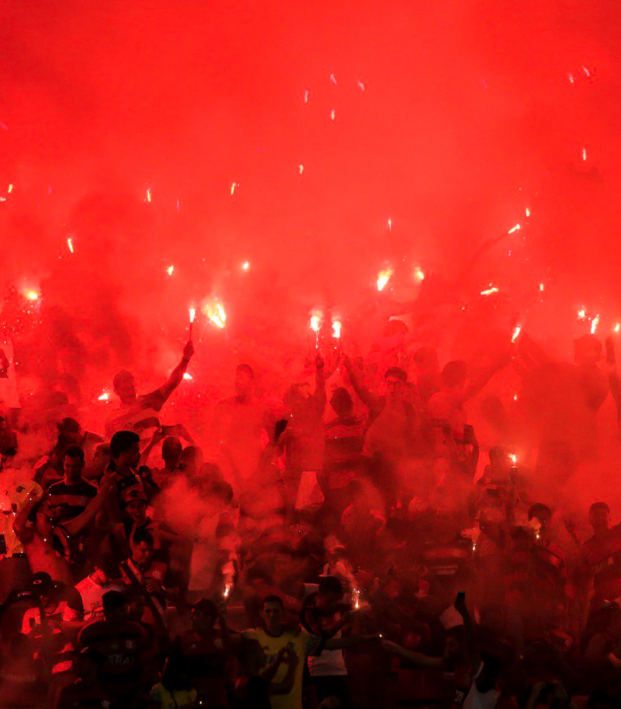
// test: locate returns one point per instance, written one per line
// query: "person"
(49, 469)
(238, 426)
(172, 449)
(87, 605)
(70, 496)
(121, 643)
(86, 440)
(205, 651)
(175, 689)
(473, 679)
(321, 615)
(51, 545)
(140, 413)
(255, 683)
(304, 437)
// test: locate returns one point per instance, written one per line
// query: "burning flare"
(215, 313)
(383, 278)
(336, 329)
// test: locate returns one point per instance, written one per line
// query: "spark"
(315, 322)
(513, 458)
(246, 265)
(103, 397)
(490, 291)
(333, 114)
(192, 312)
(227, 590)
(420, 274)
(571, 78)
(306, 97)
(233, 186)
(148, 194)
(70, 244)
(515, 397)
(541, 287)
(178, 207)
(32, 295)
(594, 324)
(517, 227)
(337, 326)
(582, 314)
(187, 377)
(333, 79)
(586, 71)
(527, 212)
(389, 224)
(516, 333)
(170, 270)
(584, 154)
(215, 313)
(356, 599)
(617, 327)
(301, 169)
(2, 199)
(10, 189)
(361, 85)
(383, 278)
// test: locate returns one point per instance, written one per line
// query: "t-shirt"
(88, 605)
(330, 663)
(476, 699)
(141, 416)
(303, 644)
(172, 700)
(121, 645)
(70, 500)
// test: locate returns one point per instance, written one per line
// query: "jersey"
(88, 605)
(70, 500)
(303, 644)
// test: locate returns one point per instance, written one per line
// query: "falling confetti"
(516, 333)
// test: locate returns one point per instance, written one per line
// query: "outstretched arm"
(417, 658)
(365, 395)
(76, 525)
(177, 374)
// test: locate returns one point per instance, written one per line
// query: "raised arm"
(471, 644)
(76, 525)
(417, 658)
(320, 378)
(365, 395)
(24, 533)
(177, 374)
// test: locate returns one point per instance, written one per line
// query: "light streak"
(215, 313)
(584, 154)
(571, 78)
(332, 114)
(617, 327)
(233, 186)
(148, 194)
(516, 333)
(586, 71)
(527, 212)
(420, 274)
(306, 97)
(337, 326)
(187, 377)
(170, 270)
(333, 79)
(594, 324)
(361, 85)
(490, 291)
(517, 227)
(70, 244)
(103, 397)
(301, 169)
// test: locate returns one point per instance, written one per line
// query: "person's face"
(203, 622)
(73, 467)
(452, 649)
(328, 602)
(126, 389)
(394, 389)
(137, 510)
(101, 458)
(243, 384)
(131, 457)
(599, 518)
(137, 607)
(272, 617)
(142, 552)
(283, 565)
(99, 576)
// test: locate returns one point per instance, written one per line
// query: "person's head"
(251, 657)
(125, 449)
(541, 513)
(73, 464)
(454, 644)
(171, 452)
(101, 456)
(272, 610)
(454, 375)
(283, 562)
(70, 428)
(426, 360)
(244, 381)
(191, 460)
(136, 603)
(114, 606)
(136, 506)
(141, 544)
(330, 594)
(587, 350)
(42, 586)
(341, 402)
(599, 516)
(105, 570)
(124, 385)
(204, 615)
(395, 379)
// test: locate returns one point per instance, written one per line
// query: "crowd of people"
(350, 543)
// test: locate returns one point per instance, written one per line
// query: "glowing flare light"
(336, 329)
(517, 227)
(215, 313)
(32, 295)
(516, 333)
(490, 291)
(383, 278)
(70, 244)
(103, 397)
(594, 324)
(170, 270)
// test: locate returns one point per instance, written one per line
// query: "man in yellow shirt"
(273, 637)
